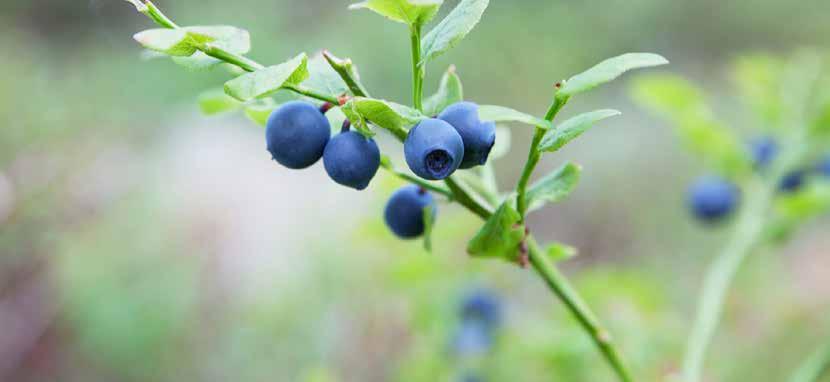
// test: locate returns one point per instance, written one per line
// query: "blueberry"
(297, 134)
(712, 198)
(481, 306)
(763, 150)
(478, 137)
(473, 338)
(351, 159)
(405, 211)
(824, 166)
(433, 149)
(792, 182)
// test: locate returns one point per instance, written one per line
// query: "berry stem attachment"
(347, 125)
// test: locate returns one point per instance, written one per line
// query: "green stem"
(466, 198)
(534, 156)
(308, 92)
(417, 68)
(242, 62)
(386, 163)
(345, 70)
(157, 15)
(560, 286)
(813, 367)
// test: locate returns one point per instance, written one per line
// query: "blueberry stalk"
(387, 165)
(417, 69)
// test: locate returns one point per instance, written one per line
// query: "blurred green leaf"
(572, 128)
(259, 110)
(268, 80)
(608, 71)
(502, 145)
(500, 236)
(429, 221)
(506, 114)
(231, 39)
(758, 80)
(809, 202)
(554, 187)
(450, 31)
(411, 12)
(323, 78)
(216, 101)
(683, 104)
(449, 92)
(173, 42)
(560, 252)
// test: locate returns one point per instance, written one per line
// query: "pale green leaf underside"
(572, 128)
(449, 92)
(173, 42)
(506, 114)
(502, 145)
(453, 28)
(608, 71)
(216, 101)
(500, 236)
(268, 80)
(554, 187)
(231, 39)
(411, 12)
(258, 111)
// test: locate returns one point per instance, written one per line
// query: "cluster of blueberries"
(481, 317)
(298, 134)
(712, 198)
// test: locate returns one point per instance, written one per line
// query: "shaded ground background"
(141, 241)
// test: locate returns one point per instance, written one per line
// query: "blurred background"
(142, 241)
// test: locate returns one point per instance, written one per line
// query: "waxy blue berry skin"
(351, 159)
(792, 182)
(482, 306)
(472, 338)
(824, 166)
(297, 134)
(763, 151)
(433, 149)
(478, 137)
(405, 211)
(712, 199)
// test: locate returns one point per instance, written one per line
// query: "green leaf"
(501, 235)
(348, 72)
(259, 110)
(173, 42)
(572, 128)
(684, 105)
(449, 92)
(388, 115)
(554, 187)
(502, 145)
(216, 101)
(323, 78)
(429, 221)
(608, 71)
(231, 39)
(450, 31)
(560, 252)
(506, 114)
(358, 122)
(268, 80)
(411, 12)
(758, 78)
(811, 201)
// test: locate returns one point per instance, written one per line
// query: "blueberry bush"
(301, 100)
(763, 181)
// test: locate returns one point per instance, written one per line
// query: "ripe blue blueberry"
(405, 211)
(712, 198)
(478, 137)
(297, 134)
(433, 149)
(824, 166)
(473, 338)
(792, 182)
(351, 159)
(481, 306)
(763, 151)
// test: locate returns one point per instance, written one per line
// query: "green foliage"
(449, 92)
(683, 104)
(572, 128)
(554, 187)
(173, 42)
(268, 80)
(258, 111)
(452, 29)
(429, 223)
(500, 236)
(388, 115)
(758, 80)
(410, 12)
(216, 101)
(608, 71)
(560, 252)
(506, 114)
(323, 77)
